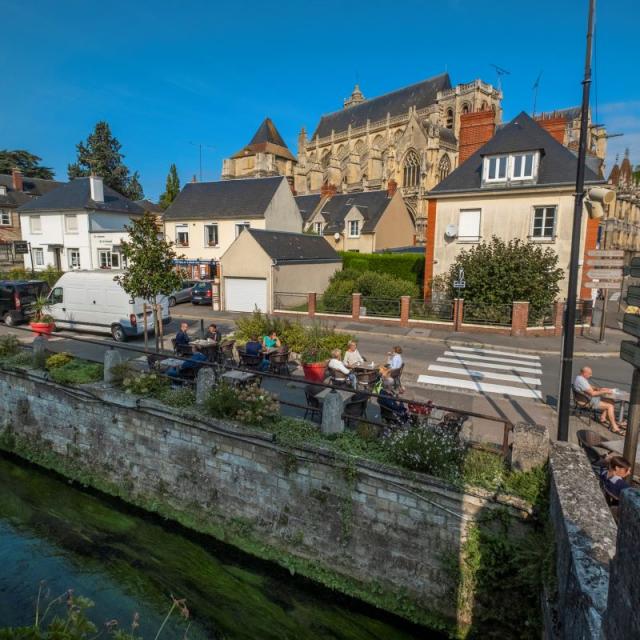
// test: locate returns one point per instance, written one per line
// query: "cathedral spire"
(356, 97)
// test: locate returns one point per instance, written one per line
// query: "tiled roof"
(558, 165)
(76, 194)
(419, 95)
(371, 204)
(307, 205)
(31, 188)
(266, 139)
(293, 247)
(149, 206)
(240, 198)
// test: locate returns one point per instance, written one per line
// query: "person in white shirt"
(583, 385)
(352, 357)
(337, 367)
(395, 358)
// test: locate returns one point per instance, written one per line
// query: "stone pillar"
(112, 358)
(622, 618)
(405, 305)
(558, 318)
(458, 313)
(530, 446)
(39, 346)
(311, 304)
(205, 381)
(519, 318)
(356, 300)
(332, 410)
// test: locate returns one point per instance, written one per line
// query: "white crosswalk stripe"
(493, 371)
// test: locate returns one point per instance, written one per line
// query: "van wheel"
(172, 301)
(10, 319)
(118, 333)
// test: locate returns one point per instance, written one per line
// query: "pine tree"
(101, 155)
(172, 189)
(26, 162)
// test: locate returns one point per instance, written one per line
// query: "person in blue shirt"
(613, 476)
(253, 347)
(194, 362)
(387, 399)
(182, 338)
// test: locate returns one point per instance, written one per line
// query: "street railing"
(421, 310)
(339, 305)
(496, 315)
(283, 301)
(382, 307)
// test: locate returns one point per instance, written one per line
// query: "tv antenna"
(200, 147)
(536, 86)
(500, 72)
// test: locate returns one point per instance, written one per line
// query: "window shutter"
(469, 224)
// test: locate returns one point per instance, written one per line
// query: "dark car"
(183, 294)
(202, 292)
(16, 296)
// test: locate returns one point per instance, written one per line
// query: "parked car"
(183, 294)
(16, 296)
(202, 292)
(93, 301)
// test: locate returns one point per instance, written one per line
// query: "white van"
(94, 301)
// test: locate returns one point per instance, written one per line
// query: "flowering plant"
(145, 384)
(251, 404)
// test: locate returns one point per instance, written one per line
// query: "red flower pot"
(42, 328)
(314, 371)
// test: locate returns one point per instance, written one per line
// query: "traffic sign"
(630, 352)
(605, 253)
(633, 296)
(635, 268)
(605, 262)
(604, 284)
(20, 247)
(459, 284)
(605, 273)
(631, 324)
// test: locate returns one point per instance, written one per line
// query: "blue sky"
(167, 74)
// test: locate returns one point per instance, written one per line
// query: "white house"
(79, 225)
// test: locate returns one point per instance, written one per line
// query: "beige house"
(363, 221)
(520, 184)
(283, 268)
(206, 218)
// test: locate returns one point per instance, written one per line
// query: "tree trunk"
(146, 333)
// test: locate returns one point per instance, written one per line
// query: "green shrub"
(251, 405)
(483, 469)
(77, 372)
(258, 324)
(180, 398)
(406, 266)
(9, 346)
(121, 371)
(528, 485)
(145, 384)
(20, 359)
(58, 360)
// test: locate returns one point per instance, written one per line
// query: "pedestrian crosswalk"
(494, 371)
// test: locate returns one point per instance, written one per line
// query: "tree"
(498, 273)
(26, 162)
(150, 272)
(101, 155)
(172, 189)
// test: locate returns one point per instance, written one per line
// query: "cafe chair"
(225, 353)
(337, 378)
(181, 350)
(367, 379)
(314, 406)
(279, 363)
(592, 442)
(582, 405)
(249, 361)
(355, 408)
(152, 361)
(389, 417)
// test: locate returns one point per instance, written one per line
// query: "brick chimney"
(392, 187)
(328, 190)
(18, 183)
(555, 125)
(476, 129)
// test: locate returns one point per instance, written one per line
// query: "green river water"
(127, 562)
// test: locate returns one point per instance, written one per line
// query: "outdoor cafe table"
(208, 347)
(343, 393)
(619, 396)
(239, 377)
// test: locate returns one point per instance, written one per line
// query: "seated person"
(271, 341)
(213, 334)
(387, 400)
(613, 476)
(253, 347)
(352, 357)
(607, 407)
(339, 370)
(194, 362)
(182, 337)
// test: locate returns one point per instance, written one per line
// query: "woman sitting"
(338, 370)
(271, 341)
(387, 400)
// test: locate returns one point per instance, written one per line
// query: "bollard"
(332, 410)
(39, 346)
(205, 381)
(112, 358)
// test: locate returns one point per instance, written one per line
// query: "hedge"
(406, 266)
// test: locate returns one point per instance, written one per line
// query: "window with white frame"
(5, 218)
(211, 235)
(496, 169)
(240, 227)
(182, 235)
(514, 167)
(73, 258)
(317, 228)
(35, 224)
(354, 228)
(469, 225)
(38, 257)
(71, 223)
(544, 223)
(104, 258)
(522, 166)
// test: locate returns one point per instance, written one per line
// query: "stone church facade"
(409, 136)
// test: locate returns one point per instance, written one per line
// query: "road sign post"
(606, 273)
(459, 283)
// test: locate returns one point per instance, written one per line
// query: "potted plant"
(41, 321)
(314, 363)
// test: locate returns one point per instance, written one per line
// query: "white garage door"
(245, 294)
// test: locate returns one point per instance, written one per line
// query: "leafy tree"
(499, 273)
(27, 162)
(150, 271)
(172, 189)
(101, 155)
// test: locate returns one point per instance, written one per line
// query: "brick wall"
(12, 232)
(476, 129)
(555, 125)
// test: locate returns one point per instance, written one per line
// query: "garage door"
(244, 294)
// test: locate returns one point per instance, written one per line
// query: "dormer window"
(510, 168)
(496, 168)
(522, 168)
(317, 228)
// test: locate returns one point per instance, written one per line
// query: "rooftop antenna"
(200, 145)
(536, 86)
(500, 72)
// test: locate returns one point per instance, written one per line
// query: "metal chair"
(249, 361)
(582, 404)
(225, 353)
(367, 379)
(181, 349)
(337, 378)
(355, 408)
(314, 406)
(279, 363)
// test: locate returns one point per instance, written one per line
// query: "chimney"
(392, 187)
(555, 125)
(328, 190)
(18, 184)
(476, 129)
(97, 188)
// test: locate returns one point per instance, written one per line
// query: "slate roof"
(266, 139)
(76, 194)
(149, 206)
(238, 198)
(31, 188)
(307, 205)
(285, 246)
(419, 95)
(557, 166)
(371, 205)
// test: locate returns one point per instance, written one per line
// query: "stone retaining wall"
(371, 531)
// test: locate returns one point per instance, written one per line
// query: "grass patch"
(77, 372)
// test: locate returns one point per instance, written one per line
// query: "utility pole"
(566, 370)
(200, 145)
